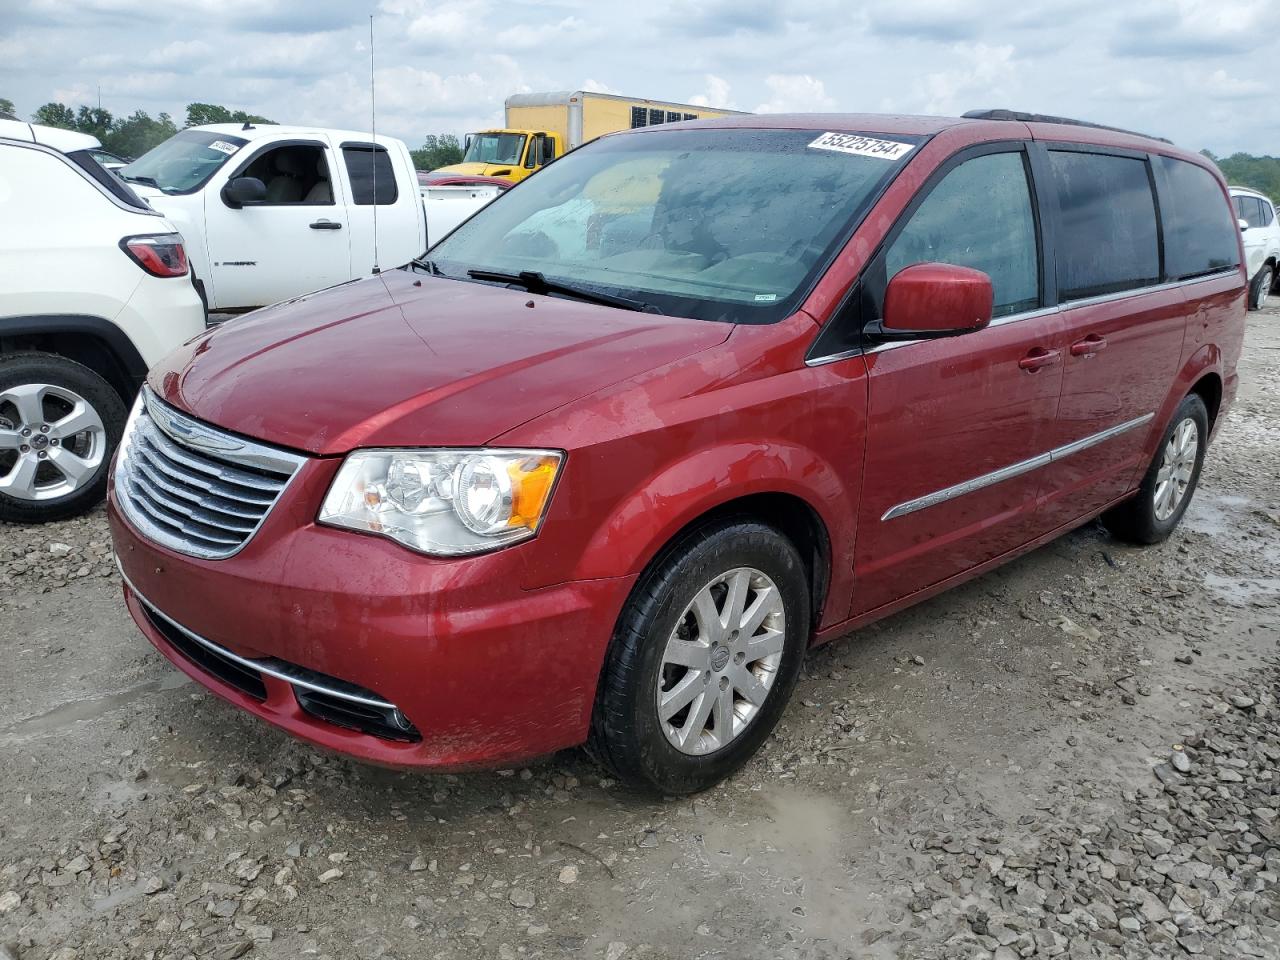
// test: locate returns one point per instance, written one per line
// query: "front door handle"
(1039, 357)
(1088, 346)
(325, 225)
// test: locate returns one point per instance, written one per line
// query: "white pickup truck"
(271, 212)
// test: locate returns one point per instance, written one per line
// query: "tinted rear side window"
(360, 162)
(1200, 236)
(1107, 240)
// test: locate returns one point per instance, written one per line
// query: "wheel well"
(1209, 389)
(790, 516)
(84, 348)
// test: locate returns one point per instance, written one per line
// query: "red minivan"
(692, 399)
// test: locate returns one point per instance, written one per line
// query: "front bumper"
(486, 673)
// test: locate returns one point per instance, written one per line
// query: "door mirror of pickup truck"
(243, 190)
(935, 299)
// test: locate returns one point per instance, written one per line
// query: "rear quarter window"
(1107, 238)
(367, 166)
(1200, 234)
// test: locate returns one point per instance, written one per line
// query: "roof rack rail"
(1046, 118)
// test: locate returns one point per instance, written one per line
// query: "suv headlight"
(444, 502)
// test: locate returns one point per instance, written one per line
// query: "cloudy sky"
(1202, 73)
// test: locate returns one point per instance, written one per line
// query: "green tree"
(198, 114)
(55, 115)
(6, 106)
(94, 121)
(133, 136)
(1246, 170)
(437, 150)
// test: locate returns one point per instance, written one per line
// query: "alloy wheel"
(1176, 468)
(721, 661)
(52, 441)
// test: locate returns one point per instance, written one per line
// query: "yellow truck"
(543, 126)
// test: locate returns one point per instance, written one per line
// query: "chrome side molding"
(1014, 469)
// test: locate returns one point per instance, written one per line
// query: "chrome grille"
(192, 487)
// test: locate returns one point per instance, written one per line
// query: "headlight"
(444, 502)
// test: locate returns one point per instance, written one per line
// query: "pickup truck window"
(494, 148)
(360, 161)
(185, 162)
(295, 173)
(730, 225)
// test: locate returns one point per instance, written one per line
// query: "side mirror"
(1244, 225)
(935, 299)
(243, 190)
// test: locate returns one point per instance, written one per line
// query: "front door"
(957, 426)
(1124, 339)
(294, 242)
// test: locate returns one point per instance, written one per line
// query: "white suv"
(94, 289)
(1261, 232)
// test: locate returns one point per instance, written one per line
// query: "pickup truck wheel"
(1260, 289)
(59, 425)
(1166, 489)
(704, 658)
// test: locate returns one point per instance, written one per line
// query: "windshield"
(733, 225)
(494, 148)
(184, 162)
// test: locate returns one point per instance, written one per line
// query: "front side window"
(1107, 226)
(294, 173)
(978, 216)
(1199, 229)
(500, 148)
(730, 225)
(369, 168)
(183, 163)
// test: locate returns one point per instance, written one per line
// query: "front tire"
(1166, 489)
(59, 425)
(703, 660)
(1260, 289)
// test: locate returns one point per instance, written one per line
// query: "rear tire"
(1166, 489)
(1260, 289)
(734, 594)
(53, 406)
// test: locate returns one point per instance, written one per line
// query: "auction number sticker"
(859, 146)
(223, 147)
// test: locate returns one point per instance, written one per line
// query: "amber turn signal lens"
(531, 481)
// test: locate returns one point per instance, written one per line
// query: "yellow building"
(543, 126)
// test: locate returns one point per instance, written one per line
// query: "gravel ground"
(1075, 755)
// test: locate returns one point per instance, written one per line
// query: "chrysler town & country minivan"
(606, 462)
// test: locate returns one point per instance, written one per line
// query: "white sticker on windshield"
(862, 146)
(223, 147)
(766, 297)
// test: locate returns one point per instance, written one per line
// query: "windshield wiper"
(535, 282)
(145, 181)
(427, 265)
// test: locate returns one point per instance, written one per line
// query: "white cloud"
(981, 76)
(597, 87)
(542, 36)
(1193, 71)
(716, 95)
(1223, 86)
(795, 93)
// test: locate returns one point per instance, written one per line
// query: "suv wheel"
(1260, 291)
(59, 424)
(704, 658)
(1166, 490)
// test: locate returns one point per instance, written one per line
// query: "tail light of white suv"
(161, 255)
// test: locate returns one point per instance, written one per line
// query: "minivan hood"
(404, 359)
